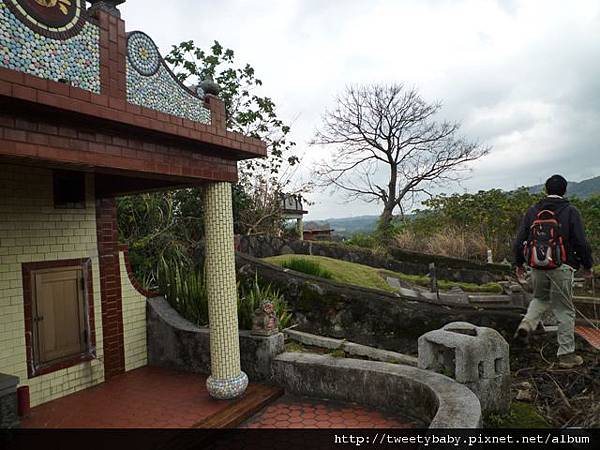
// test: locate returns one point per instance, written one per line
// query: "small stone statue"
(264, 322)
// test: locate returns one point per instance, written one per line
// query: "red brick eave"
(62, 97)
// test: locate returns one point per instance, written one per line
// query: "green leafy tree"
(247, 111)
(168, 226)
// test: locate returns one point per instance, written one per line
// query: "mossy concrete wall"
(369, 316)
(435, 400)
(396, 259)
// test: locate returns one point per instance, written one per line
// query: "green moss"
(520, 415)
(337, 353)
(295, 347)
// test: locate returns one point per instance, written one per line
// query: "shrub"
(363, 240)
(453, 242)
(251, 296)
(308, 267)
(185, 291)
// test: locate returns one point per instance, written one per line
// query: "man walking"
(551, 240)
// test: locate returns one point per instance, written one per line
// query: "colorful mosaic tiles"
(75, 60)
(51, 16)
(152, 85)
(143, 54)
(227, 389)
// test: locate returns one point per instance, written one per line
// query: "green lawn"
(370, 277)
(341, 271)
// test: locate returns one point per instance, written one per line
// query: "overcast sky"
(521, 76)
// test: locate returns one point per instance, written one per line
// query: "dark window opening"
(69, 189)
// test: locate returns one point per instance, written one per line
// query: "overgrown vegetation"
(307, 266)
(467, 225)
(370, 277)
(520, 415)
(185, 290)
(251, 296)
(169, 225)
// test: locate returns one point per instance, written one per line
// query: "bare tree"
(390, 130)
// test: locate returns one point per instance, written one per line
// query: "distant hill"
(351, 225)
(581, 189)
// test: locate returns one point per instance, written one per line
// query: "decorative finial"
(208, 86)
(109, 6)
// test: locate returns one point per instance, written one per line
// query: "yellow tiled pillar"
(227, 379)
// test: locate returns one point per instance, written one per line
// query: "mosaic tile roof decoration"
(53, 18)
(151, 84)
(75, 60)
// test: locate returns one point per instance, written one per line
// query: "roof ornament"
(208, 87)
(109, 6)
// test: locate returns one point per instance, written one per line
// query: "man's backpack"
(544, 248)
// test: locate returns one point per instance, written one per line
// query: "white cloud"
(524, 76)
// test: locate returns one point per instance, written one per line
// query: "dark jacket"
(579, 252)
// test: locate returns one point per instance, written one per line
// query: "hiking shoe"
(522, 334)
(569, 361)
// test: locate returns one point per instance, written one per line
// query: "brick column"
(113, 49)
(227, 380)
(110, 287)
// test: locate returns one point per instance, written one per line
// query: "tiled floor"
(590, 334)
(149, 397)
(301, 412)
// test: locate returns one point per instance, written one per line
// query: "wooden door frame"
(28, 270)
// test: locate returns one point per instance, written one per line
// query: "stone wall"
(435, 400)
(175, 343)
(369, 316)
(397, 260)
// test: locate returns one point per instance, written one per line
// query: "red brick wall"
(56, 138)
(17, 87)
(110, 285)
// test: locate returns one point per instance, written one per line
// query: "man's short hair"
(556, 185)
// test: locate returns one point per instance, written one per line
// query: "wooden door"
(59, 313)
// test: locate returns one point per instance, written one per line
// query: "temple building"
(90, 112)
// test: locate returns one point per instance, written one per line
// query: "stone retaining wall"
(176, 343)
(398, 260)
(427, 396)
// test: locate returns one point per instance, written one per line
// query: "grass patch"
(307, 266)
(370, 277)
(341, 271)
(520, 415)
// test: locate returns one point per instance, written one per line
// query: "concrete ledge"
(176, 343)
(351, 348)
(433, 398)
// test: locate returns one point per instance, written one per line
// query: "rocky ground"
(565, 398)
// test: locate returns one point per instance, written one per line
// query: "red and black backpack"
(544, 248)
